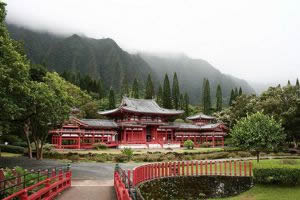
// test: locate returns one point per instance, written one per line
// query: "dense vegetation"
(281, 103)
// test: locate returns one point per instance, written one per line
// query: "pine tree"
(203, 91)
(207, 99)
(181, 102)
(240, 91)
(159, 98)
(111, 99)
(101, 92)
(149, 93)
(289, 83)
(125, 88)
(167, 99)
(175, 92)
(231, 97)
(298, 87)
(236, 93)
(135, 89)
(186, 104)
(219, 98)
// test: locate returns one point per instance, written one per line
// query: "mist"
(258, 41)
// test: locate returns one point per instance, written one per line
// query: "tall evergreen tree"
(236, 93)
(181, 102)
(125, 87)
(231, 97)
(135, 89)
(175, 91)
(240, 91)
(298, 87)
(186, 104)
(289, 83)
(111, 99)
(219, 103)
(149, 93)
(101, 91)
(159, 98)
(203, 91)
(207, 99)
(167, 99)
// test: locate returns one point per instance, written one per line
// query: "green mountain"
(104, 59)
(191, 73)
(99, 58)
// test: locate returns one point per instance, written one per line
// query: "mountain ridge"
(105, 59)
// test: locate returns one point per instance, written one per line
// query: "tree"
(135, 89)
(298, 88)
(186, 104)
(175, 92)
(149, 93)
(219, 98)
(236, 93)
(189, 144)
(167, 99)
(289, 83)
(207, 98)
(258, 132)
(181, 102)
(231, 98)
(125, 88)
(111, 99)
(159, 97)
(240, 91)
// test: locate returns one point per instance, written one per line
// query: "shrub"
(11, 148)
(121, 158)
(277, 174)
(243, 154)
(99, 146)
(189, 144)
(127, 152)
(74, 157)
(48, 147)
(205, 144)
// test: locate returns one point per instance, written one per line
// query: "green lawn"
(5, 154)
(263, 192)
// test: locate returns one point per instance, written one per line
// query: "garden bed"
(194, 187)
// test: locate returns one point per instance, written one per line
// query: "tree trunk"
(26, 132)
(257, 156)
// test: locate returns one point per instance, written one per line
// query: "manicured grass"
(5, 154)
(269, 192)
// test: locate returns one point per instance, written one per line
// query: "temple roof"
(148, 106)
(99, 123)
(200, 116)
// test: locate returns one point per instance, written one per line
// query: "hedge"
(277, 174)
(11, 148)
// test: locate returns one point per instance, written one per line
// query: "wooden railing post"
(210, 168)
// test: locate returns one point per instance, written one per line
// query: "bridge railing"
(127, 181)
(40, 184)
(192, 168)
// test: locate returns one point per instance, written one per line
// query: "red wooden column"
(222, 141)
(78, 142)
(59, 141)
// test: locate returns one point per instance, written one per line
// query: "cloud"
(255, 40)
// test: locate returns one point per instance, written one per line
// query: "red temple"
(139, 123)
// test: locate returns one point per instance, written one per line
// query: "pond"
(194, 187)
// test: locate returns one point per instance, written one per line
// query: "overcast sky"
(257, 40)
